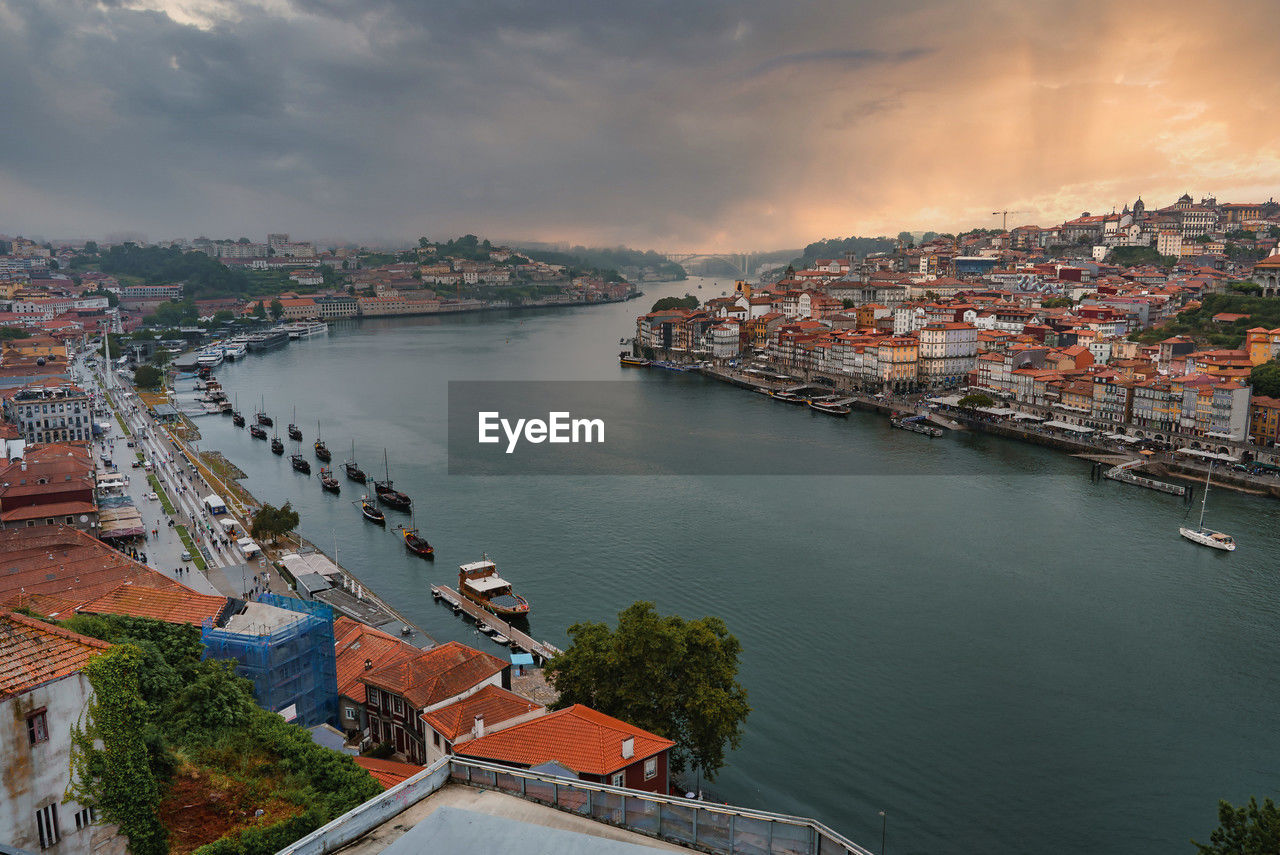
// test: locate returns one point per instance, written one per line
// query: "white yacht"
(1207, 536)
(234, 349)
(210, 357)
(307, 329)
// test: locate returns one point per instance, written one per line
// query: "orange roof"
(431, 676)
(172, 606)
(388, 773)
(33, 653)
(354, 643)
(67, 567)
(56, 509)
(577, 737)
(493, 702)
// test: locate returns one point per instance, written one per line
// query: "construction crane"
(1004, 215)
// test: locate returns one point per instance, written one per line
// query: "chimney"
(368, 664)
(628, 748)
(477, 729)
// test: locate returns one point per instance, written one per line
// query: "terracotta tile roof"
(435, 675)
(493, 702)
(354, 642)
(577, 737)
(54, 509)
(33, 653)
(168, 605)
(67, 567)
(388, 773)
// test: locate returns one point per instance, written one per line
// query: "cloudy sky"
(693, 124)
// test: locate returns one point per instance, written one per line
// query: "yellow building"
(1262, 345)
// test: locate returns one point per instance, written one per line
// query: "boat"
(354, 472)
(415, 543)
(269, 340)
(328, 482)
(257, 431)
(261, 416)
(234, 349)
(295, 433)
(831, 406)
(277, 446)
(499, 638)
(480, 583)
(322, 450)
(627, 359)
(300, 463)
(668, 366)
(788, 397)
(1207, 536)
(371, 511)
(915, 424)
(210, 357)
(386, 492)
(306, 330)
(236, 418)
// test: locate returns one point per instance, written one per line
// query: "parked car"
(152, 496)
(186, 556)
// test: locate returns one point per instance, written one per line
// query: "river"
(1014, 659)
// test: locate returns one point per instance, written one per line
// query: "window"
(435, 739)
(351, 714)
(37, 727)
(85, 818)
(373, 696)
(399, 707)
(651, 768)
(47, 825)
(619, 779)
(71, 520)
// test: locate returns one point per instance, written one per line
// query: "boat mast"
(386, 466)
(1205, 498)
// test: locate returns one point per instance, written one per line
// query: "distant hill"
(837, 247)
(605, 259)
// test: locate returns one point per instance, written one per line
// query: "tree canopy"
(1250, 830)
(688, 301)
(1265, 379)
(976, 399)
(668, 675)
(147, 377)
(272, 522)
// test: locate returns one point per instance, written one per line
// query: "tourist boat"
(386, 492)
(322, 450)
(328, 482)
(480, 583)
(371, 511)
(789, 397)
(354, 472)
(277, 446)
(261, 416)
(915, 424)
(257, 431)
(269, 340)
(209, 358)
(1207, 536)
(627, 359)
(300, 463)
(668, 366)
(306, 330)
(234, 349)
(415, 543)
(831, 406)
(295, 433)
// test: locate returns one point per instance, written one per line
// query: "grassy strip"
(161, 494)
(196, 557)
(142, 458)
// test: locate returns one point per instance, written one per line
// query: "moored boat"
(915, 424)
(627, 359)
(1207, 536)
(371, 511)
(300, 463)
(257, 431)
(322, 450)
(328, 482)
(833, 406)
(354, 472)
(479, 582)
(294, 432)
(261, 416)
(386, 491)
(788, 397)
(277, 446)
(416, 543)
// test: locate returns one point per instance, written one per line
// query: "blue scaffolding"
(295, 665)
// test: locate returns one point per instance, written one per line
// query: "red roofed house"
(487, 711)
(52, 485)
(43, 693)
(359, 647)
(597, 747)
(388, 773)
(399, 692)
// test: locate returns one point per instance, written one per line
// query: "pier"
(541, 650)
(1124, 473)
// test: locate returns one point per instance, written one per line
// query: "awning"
(1027, 417)
(1208, 455)
(1069, 427)
(1119, 437)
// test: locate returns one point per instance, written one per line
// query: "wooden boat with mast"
(236, 418)
(480, 583)
(414, 542)
(261, 416)
(354, 472)
(295, 433)
(328, 482)
(371, 511)
(277, 445)
(386, 491)
(300, 463)
(322, 450)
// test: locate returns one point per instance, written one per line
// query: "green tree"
(7, 333)
(147, 377)
(976, 399)
(222, 316)
(674, 677)
(1251, 830)
(277, 310)
(272, 522)
(110, 764)
(1265, 379)
(688, 301)
(90, 247)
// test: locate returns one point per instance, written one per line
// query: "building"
(489, 710)
(43, 693)
(51, 412)
(336, 306)
(594, 746)
(948, 352)
(1264, 421)
(51, 485)
(358, 647)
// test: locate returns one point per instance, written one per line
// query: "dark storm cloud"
(664, 124)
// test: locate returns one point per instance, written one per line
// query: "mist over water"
(999, 653)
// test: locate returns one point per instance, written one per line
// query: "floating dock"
(1124, 474)
(541, 650)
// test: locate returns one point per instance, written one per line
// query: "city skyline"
(716, 126)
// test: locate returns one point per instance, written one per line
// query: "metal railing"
(713, 828)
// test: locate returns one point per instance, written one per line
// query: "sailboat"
(354, 472)
(262, 418)
(294, 433)
(1207, 536)
(236, 418)
(277, 446)
(322, 450)
(387, 494)
(414, 542)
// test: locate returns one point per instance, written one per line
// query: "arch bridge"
(744, 264)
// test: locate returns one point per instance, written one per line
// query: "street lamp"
(884, 825)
